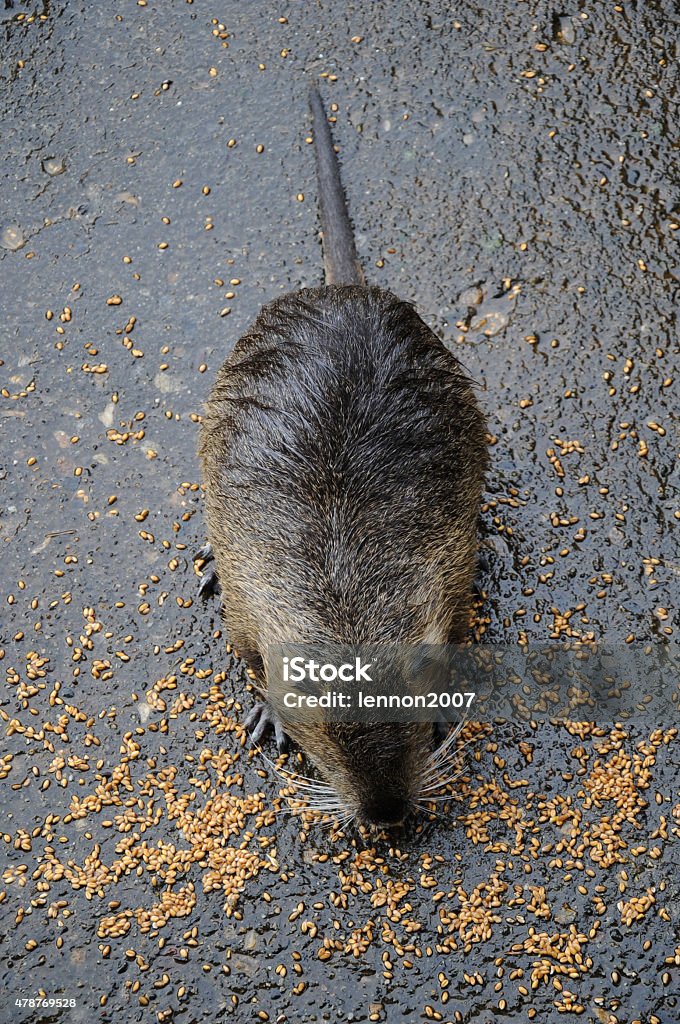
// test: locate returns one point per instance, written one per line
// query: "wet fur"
(343, 454)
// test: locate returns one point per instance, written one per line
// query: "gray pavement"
(510, 168)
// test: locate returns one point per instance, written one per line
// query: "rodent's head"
(377, 770)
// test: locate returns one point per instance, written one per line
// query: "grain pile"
(186, 833)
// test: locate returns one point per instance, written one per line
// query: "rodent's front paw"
(260, 720)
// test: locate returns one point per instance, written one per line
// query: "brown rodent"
(343, 455)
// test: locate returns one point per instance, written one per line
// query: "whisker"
(295, 778)
(325, 808)
(442, 798)
(455, 764)
(320, 799)
(306, 779)
(436, 784)
(433, 775)
(346, 822)
(306, 786)
(443, 775)
(455, 727)
(441, 752)
(428, 810)
(451, 735)
(313, 811)
(330, 808)
(337, 823)
(288, 776)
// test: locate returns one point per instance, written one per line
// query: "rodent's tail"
(339, 253)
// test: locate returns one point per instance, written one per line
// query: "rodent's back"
(344, 456)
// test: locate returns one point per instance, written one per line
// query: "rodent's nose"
(385, 809)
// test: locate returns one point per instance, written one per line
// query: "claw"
(259, 720)
(209, 585)
(205, 553)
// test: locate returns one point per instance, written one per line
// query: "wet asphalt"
(511, 168)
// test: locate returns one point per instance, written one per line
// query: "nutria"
(343, 455)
